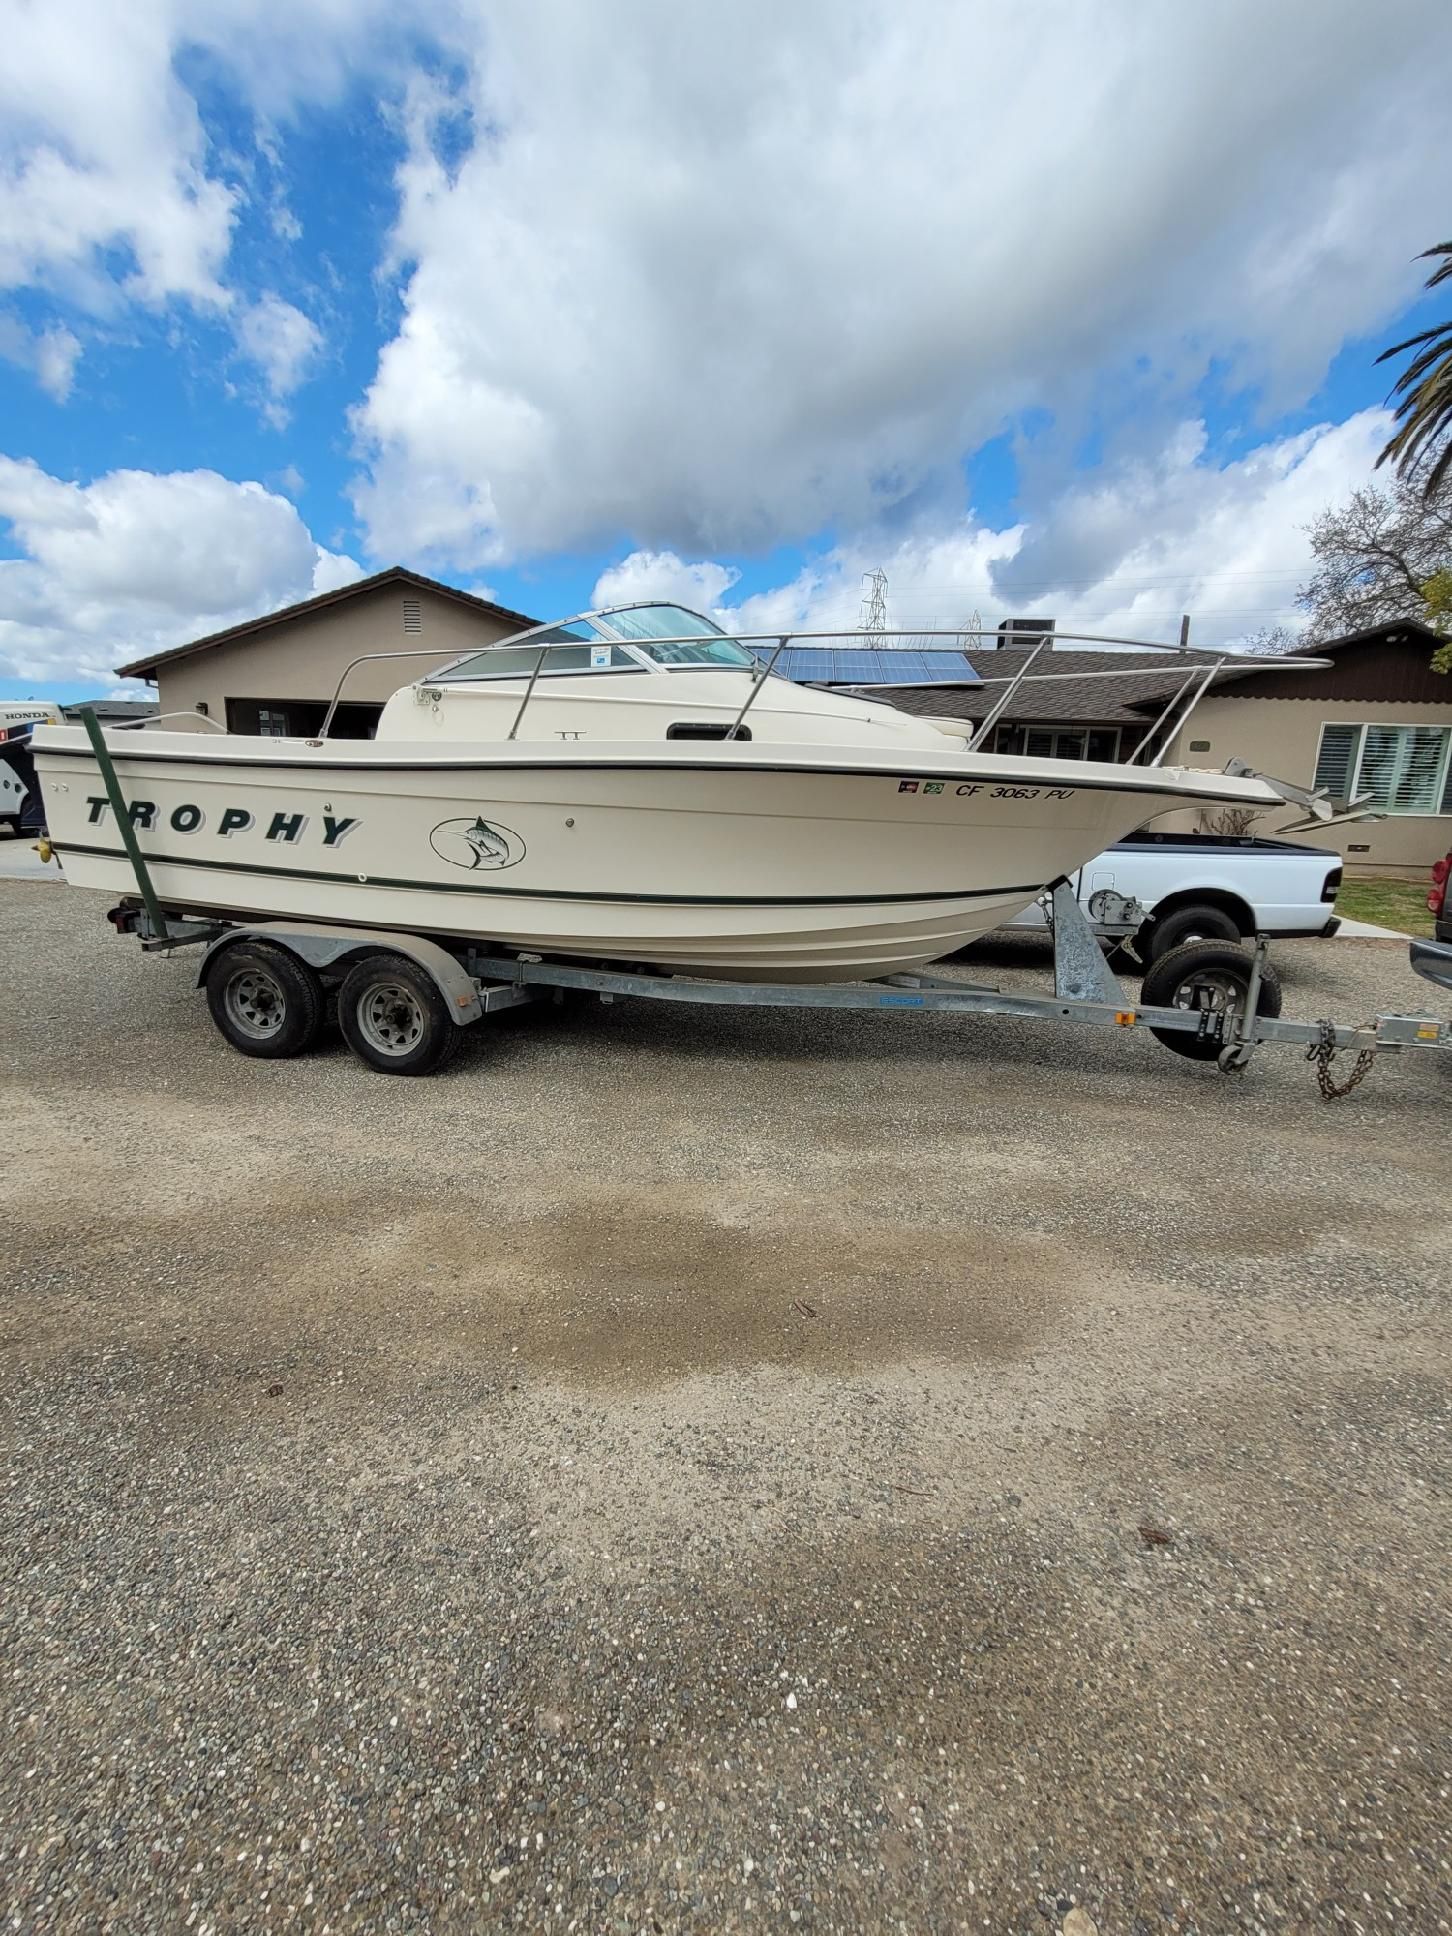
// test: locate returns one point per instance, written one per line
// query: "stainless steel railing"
(896, 640)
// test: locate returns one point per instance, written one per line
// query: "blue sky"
(732, 309)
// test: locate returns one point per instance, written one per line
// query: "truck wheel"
(1184, 924)
(264, 1000)
(1206, 977)
(394, 1018)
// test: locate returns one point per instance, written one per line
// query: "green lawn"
(1390, 904)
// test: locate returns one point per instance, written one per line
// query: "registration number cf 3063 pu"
(989, 790)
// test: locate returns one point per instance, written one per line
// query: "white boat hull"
(773, 862)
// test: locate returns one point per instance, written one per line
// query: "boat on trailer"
(633, 786)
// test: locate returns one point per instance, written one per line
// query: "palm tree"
(1425, 387)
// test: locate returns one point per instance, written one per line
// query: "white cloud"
(284, 344)
(136, 561)
(50, 354)
(753, 271)
(57, 352)
(332, 570)
(102, 150)
(111, 192)
(1227, 544)
(1122, 554)
(661, 574)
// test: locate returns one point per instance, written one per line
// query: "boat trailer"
(404, 999)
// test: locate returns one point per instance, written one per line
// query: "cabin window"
(705, 729)
(1396, 769)
(1064, 743)
(563, 656)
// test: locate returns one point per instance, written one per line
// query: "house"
(1375, 724)
(1060, 711)
(112, 712)
(277, 674)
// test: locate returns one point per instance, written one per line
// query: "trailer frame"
(474, 981)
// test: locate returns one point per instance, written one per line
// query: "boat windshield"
(593, 653)
(648, 626)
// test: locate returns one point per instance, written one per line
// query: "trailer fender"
(325, 947)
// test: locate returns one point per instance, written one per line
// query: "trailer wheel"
(1208, 977)
(394, 1018)
(264, 1000)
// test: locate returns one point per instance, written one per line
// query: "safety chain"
(1323, 1053)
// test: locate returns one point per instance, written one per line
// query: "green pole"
(123, 821)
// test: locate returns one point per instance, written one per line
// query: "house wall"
(304, 657)
(1281, 736)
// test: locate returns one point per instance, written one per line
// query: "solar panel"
(831, 665)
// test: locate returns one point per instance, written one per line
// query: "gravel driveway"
(689, 1470)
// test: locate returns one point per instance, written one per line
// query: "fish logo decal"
(476, 844)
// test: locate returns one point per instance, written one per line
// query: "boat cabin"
(637, 672)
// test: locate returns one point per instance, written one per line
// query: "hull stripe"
(550, 893)
(299, 769)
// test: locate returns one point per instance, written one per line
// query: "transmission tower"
(874, 603)
(968, 638)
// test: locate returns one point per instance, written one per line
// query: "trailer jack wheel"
(264, 1000)
(1208, 978)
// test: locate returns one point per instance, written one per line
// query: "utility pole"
(1184, 628)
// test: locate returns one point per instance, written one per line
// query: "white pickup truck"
(1204, 887)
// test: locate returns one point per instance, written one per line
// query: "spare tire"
(1205, 977)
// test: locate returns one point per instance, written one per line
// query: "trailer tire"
(1211, 975)
(394, 1018)
(264, 1000)
(1199, 922)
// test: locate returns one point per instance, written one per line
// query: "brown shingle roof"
(396, 574)
(1064, 693)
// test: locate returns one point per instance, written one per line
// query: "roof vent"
(412, 615)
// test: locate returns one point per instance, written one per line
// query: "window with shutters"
(1070, 743)
(412, 615)
(1336, 760)
(1396, 769)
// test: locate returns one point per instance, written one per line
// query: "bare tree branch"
(1373, 556)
